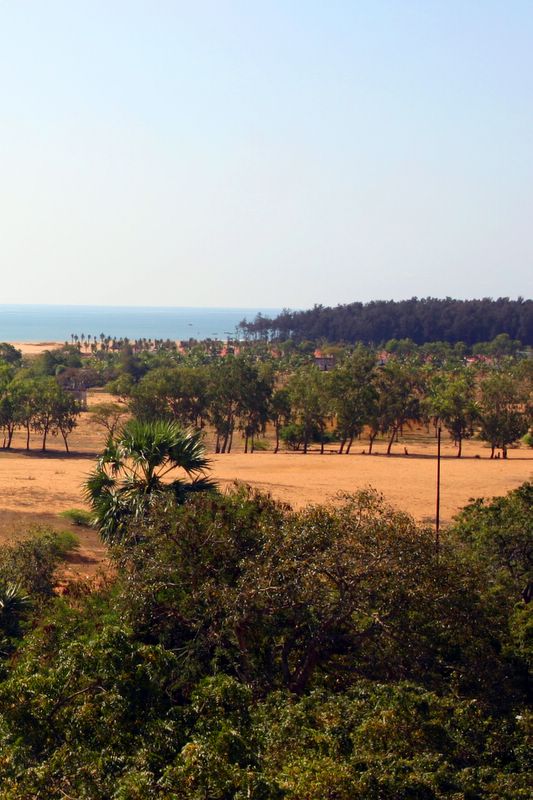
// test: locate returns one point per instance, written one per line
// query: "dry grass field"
(36, 487)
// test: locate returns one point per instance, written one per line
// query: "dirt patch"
(408, 482)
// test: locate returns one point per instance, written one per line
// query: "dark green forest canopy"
(422, 320)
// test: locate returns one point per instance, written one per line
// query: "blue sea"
(39, 323)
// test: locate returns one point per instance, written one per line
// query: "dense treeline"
(240, 650)
(361, 395)
(422, 320)
(291, 395)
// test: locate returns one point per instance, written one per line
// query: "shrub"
(78, 516)
(32, 562)
(528, 439)
(261, 445)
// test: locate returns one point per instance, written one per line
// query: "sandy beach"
(35, 348)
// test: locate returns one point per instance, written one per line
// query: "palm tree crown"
(137, 467)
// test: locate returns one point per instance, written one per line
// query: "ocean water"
(36, 323)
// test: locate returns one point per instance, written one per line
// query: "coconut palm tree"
(138, 467)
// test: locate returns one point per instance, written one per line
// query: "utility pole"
(437, 512)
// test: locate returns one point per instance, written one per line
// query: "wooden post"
(437, 512)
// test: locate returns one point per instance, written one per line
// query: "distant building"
(323, 361)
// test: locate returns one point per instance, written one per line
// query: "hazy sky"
(274, 153)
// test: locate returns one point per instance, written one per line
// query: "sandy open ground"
(47, 484)
(35, 348)
(36, 487)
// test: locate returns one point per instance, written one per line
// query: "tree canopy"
(422, 320)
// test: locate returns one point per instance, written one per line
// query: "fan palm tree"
(13, 602)
(137, 468)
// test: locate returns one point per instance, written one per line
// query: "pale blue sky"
(265, 153)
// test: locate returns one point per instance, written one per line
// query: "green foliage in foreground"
(243, 650)
(27, 578)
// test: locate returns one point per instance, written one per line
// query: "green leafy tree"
(279, 412)
(178, 393)
(55, 411)
(239, 392)
(452, 401)
(399, 394)
(109, 416)
(310, 402)
(8, 418)
(10, 354)
(284, 599)
(24, 393)
(353, 395)
(255, 391)
(504, 414)
(498, 533)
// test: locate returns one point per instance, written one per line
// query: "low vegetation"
(78, 516)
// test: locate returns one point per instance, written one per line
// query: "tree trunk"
(349, 445)
(277, 439)
(45, 434)
(341, 448)
(305, 443)
(27, 437)
(230, 442)
(321, 442)
(391, 440)
(300, 680)
(246, 443)
(226, 440)
(504, 451)
(63, 434)
(371, 443)
(493, 448)
(252, 444)
(217, 443)
(460, 450)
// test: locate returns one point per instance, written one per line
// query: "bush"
(261, 445)
(292, 436)
(78, 516)
(32, 562)
(528, 439)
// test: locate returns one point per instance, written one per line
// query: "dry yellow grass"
(35, 486)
